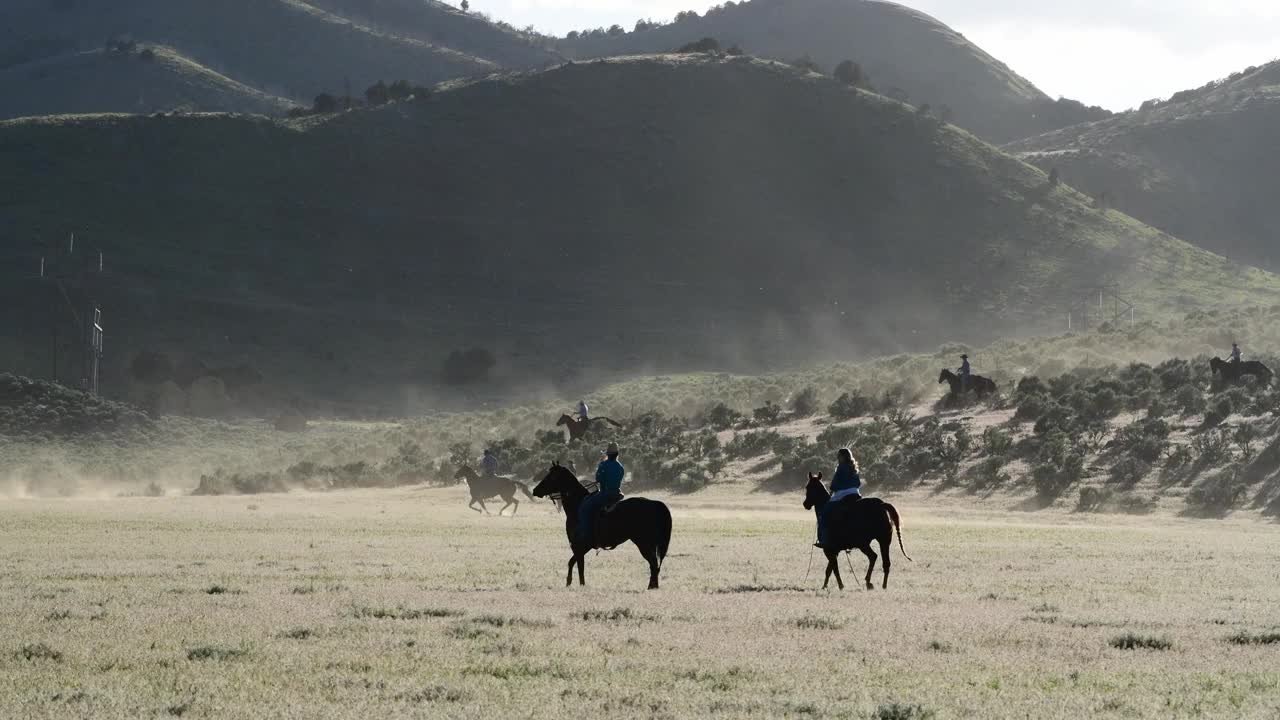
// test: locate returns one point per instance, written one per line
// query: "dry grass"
(416, 607)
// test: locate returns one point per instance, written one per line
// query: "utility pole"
(72, 288)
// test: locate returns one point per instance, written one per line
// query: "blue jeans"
(587, 514)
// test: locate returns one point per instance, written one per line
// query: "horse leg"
(833, 560)
(827, 579)
(568, 580)
(652, 556)
(472, 505)
(871, 555)
(486, 510)
(516, 508)
(582, 568)
(886, 543)
(504, 507)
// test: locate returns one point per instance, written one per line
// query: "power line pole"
(71, 278)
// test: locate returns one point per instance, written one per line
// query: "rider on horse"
(609, 491)
(964, 371)
(582, 411)
(1235, 353)
(489, 463)
(845, 483)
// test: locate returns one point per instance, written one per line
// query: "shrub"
(1211, 448)
(902, 711)
(1179, 456)
(721, 417)
(850, 405)
(996, 442)
(1244, 438)
(990, 473)
(1189, 400)
(1130, 641)
(752, 444)
(768, 414)
(1246, 638)
(1130, 470)
(805, 402)
(705, 45)
(1218, 493)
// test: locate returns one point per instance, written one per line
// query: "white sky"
(1114, 53)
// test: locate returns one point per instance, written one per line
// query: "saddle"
(599, 522)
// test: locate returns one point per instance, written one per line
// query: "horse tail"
(664, 532)
(897, 525)
(523, 488)
(611, 421)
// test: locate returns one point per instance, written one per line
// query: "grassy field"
(401, 603)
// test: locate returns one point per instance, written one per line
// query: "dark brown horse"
(1232, 372)
(647, 523)
(978, 385)
(854, 524)
(484, 487)
(578, 428)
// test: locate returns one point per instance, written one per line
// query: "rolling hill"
(289, 48)
(907, 54)
(1200, 165)
(136, 82)
(656, 212)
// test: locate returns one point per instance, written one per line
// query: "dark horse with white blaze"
(578, 428)
(855, 523)
(484, 487)
(647, 523)
(1232, 372)
(978, 384)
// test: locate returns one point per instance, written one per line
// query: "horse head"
(814, 493)
(564, 420)
(1216, 364)
(465, 473)
(558, 481)
(945, 376)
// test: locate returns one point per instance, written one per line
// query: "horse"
(647, 523)
(854, 524)
(1232, 372)
(978, 384)
(484, 487)
(578, 428)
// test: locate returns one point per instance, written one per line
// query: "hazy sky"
(1114, 53)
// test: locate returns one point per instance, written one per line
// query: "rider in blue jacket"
(609, 490)
(845, 482)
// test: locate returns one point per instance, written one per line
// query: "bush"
(1211, 448)
(1189, 400)
(996, 442)
(768, 414)
(721, 417)
(1130, 641)
(805, 402)
(850, 405)
(705, 45)
(752, 444)
(1032, 407)
(1179, 456)
(1130, 470)
(1218, 493)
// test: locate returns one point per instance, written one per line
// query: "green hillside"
(289, 48)
(1200, 165)
(907, 54)
(137, 82)
(658, 212)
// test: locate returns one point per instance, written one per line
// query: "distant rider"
(965, 371)
(609, 491)
(489, 463)
(845, 483)
(1235, 353)
(582, 411)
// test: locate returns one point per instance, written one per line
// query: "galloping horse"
(1232, 372)
(647, 523)
(978, 384)
(854, 524)
(577, 428)
(484, 487)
